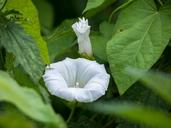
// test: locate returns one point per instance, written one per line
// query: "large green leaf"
(141, 34)
(28, 101)
(160, 83)
(30, 23)
(61, 39)
(16, 41)
(136, 113)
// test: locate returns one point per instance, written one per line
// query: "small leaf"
(93, 4)
(61, 39)
(30, 23)
(136, 113)
(16, 41)
(28, 101)
(100, 40)
(160, 83)
(141, 34)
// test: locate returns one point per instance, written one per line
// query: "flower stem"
(72, 112)
(117, 9)
(84, 55)
(160, 2)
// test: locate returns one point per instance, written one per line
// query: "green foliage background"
(131, 37)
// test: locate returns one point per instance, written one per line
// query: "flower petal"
(98, 81)
(87, 69)
(67, 69)
(77, 79)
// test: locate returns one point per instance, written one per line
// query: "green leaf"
(160, 83)
(144, 96)
(28, 101)
(22, 77)
(95, 6)
(136, 113)
(140, 95)
(16, 41)
(141, 34)
(100, 40)
(30, 23)
(61, 39)
(2, 3)
(17, 120)
(46, 14)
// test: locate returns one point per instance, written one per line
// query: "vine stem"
(117, 9)
(3, 5)
(160, 2)
(72, 112)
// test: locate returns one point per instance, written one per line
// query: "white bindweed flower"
(82, 30)
(76, 79)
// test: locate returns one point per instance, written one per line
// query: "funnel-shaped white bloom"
(76, 79)
(82, 30)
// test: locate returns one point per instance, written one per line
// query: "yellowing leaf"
(31, 25)
(20, 120)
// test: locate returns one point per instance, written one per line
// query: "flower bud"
(82, 30)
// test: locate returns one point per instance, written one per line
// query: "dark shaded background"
(67, 9)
